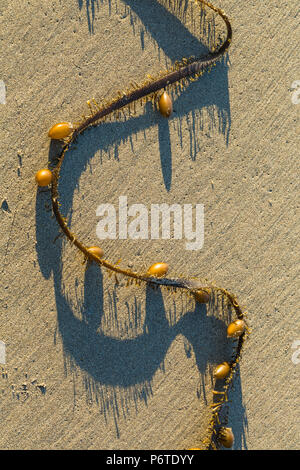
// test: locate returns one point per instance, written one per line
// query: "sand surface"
(91, 365)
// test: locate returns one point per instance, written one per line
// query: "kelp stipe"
(188, 69)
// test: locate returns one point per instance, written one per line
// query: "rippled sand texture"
(94, 365)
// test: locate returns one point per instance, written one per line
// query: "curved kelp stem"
(184, 70)
(187, 69)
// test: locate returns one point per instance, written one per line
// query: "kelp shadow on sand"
(117, 374)
(158, 22)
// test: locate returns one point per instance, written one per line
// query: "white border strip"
(2, 92)
(2, 353)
